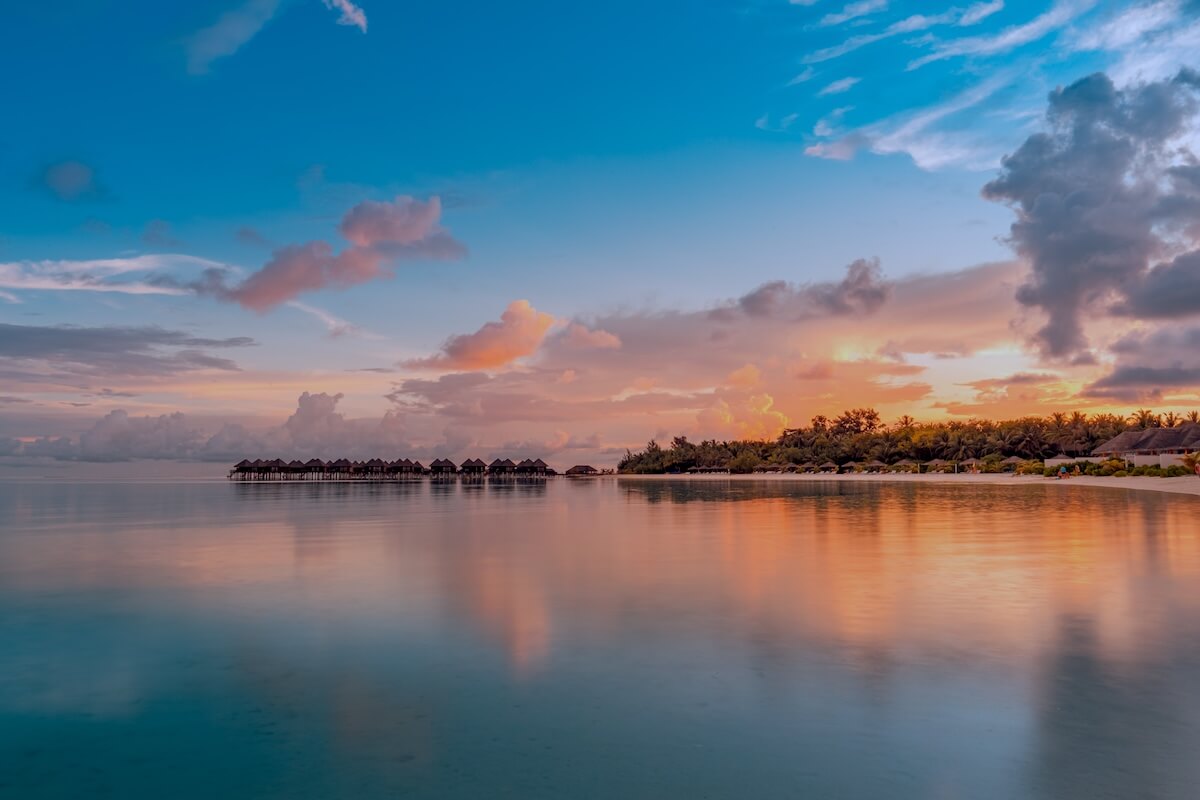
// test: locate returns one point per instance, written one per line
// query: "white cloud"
(839, 86)
(854, 10)
(99, 275)
(1062, 13)
(334, 324)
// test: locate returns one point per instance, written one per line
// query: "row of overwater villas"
(904, 465)
(378, 469)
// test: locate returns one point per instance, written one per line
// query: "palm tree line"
(861, 435)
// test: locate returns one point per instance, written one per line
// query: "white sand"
(1185, 485)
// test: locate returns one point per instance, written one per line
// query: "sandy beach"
(1185, 485)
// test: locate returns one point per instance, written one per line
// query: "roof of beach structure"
(1013, 460)
(1149, 440)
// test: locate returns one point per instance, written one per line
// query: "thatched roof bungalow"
(582, 471)
(502, 467)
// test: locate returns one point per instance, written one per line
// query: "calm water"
(603, 639)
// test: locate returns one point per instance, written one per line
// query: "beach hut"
(936, 465)
(808, 466)
(851, 466)
(904, 465)
(828, 466)
(971, 464)
(582, 471)
(876, 465)
(1011, 463)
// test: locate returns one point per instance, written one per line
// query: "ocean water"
(598, 639)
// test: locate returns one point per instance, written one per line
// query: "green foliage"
(744, 462)
(1120, 474)
(860, 435)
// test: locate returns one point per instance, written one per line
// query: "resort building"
(442, 466)
(473, 466)
(582, 471)
(502, 467)
(1157, 447)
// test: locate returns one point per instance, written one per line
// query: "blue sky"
(594, 160)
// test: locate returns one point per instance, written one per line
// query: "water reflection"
(673, 638)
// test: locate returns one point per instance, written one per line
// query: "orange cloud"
(519, 333)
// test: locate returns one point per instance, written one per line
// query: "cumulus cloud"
(579, 335)
(1152, 363)
(519, 333)
(380, 234)
(1097, 199)
(862, 291)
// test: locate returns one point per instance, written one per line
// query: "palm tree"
(1143, 418)
(1193, 416)
(1171, 419)
(1192, 462)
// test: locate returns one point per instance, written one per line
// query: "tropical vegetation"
(861, 435)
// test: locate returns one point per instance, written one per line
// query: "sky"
(333, 228)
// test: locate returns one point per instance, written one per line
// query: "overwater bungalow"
(582, 471)
(502, 467)
(418, 468)
(473, 466)
(442, 467)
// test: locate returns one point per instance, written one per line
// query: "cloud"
(854, 10)
(1059, 15)
(71, 181)
(580, 336)
(923, 134)
(840, 86)
(862, 291)
(336, 326)
(380, 234)
(64, 356)
(112, 275)
(351, 14)
(1151, 363)
(519, 333)
(250, 236)
(226, 36)
(972, 15)
(804, 76)
(1097, 197)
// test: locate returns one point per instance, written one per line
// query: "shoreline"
(1187, 485)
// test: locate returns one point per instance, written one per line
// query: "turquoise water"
(596, 640)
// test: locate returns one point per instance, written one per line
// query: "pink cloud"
(351, 14)
(379, 233)
(519, 333)
(580, 336)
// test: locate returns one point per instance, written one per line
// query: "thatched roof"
(242, 464)
(582, 469)
(905, 462)
(829, 465)
(1183, 437)
(876, 463)
(970, 461)
(1013, 460)
(937, 462)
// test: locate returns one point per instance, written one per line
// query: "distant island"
(1142, 443)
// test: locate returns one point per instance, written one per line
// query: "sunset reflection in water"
(633, 638)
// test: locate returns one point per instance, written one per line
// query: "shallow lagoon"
(634, 639)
